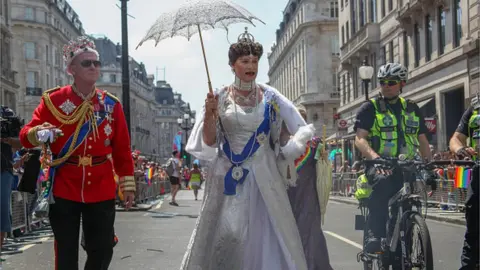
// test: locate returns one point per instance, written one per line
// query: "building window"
(457, 23)
(344, 96)
(335, 46)
(353, 16)
(29, 50)
(47, 54)
(354, 82)
(29, 14)
(341, 4)
(416, 37)
(32, 79)
(334, 9)
(382, 7)
(428, 37)
(348, 87)
(47, 82)
(32, 84)
(391, 52)
(441, 30)
(373, 11)
(405, 50)
(390, 5)
(343, 35)
(347, 30)
(384, 55)
(362, 13)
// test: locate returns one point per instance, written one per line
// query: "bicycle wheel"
(418, 236)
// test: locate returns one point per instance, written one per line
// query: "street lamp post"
(366, 73)
(125, 69)
(186, 124)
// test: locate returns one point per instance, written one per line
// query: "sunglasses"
(88, 63)
(389, 82)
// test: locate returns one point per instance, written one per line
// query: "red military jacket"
(87, 183)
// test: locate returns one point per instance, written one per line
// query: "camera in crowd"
(10, 123)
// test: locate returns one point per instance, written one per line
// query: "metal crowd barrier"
(145, 192)
(26, 229)
(446, 196)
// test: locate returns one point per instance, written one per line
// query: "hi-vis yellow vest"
(363, 188)
(474, 130)
(384, 132)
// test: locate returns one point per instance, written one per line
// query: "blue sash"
(236, 174)
(85, 130)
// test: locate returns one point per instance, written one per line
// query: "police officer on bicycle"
(469, 128)
(387, 126)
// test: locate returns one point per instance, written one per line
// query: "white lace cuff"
(295, 147)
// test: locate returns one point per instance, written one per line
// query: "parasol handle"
(210, 89)
(324, 136)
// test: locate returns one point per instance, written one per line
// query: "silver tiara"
(246, 37)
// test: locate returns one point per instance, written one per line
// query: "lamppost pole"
(125, 67)
(186, 124)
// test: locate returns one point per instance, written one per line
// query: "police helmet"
(392, 70)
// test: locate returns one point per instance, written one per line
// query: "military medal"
(67, 107)
(108, 129)
(107, 142)
(109, 118)
(237, 173)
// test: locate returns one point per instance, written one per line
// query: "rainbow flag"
(299, 162)
(149, 176)
(462, 177)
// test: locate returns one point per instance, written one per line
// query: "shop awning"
(423, 103)
(332, 137)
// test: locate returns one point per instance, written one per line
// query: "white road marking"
(158, 205)
(32, 245)
(346, 240)
(334, 202)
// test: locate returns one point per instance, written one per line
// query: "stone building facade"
(304, 59)
(40, 29)
(8, 81)
(436, 40)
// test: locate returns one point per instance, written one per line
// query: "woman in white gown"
(246, 221)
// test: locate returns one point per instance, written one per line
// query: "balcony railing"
(335, 95)
(370, 33)
(34, 91)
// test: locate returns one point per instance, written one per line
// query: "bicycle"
(410, 205)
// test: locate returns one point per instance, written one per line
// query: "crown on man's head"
(77, 46)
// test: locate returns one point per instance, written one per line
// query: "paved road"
(344, 243)
(151, 242)
(146, 242)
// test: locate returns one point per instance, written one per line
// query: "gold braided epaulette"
(112, 96)
(47, 92)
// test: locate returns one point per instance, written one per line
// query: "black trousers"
(378, 200)
(470, 245)
(97, 224)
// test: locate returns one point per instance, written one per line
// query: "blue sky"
(182, 59)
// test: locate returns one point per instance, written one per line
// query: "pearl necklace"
(244, 86)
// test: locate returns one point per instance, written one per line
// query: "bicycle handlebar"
(426, 165)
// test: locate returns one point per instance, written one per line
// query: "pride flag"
(149, 176)
(462, 177)
(299, 162)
